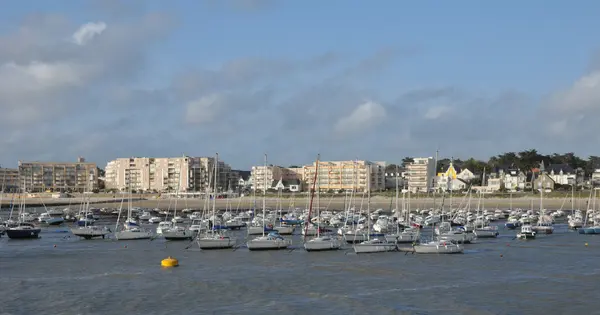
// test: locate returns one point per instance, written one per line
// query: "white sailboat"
(215, 239)
(280, 228)
(130, 230)
(321, 242)
(437, 246)
(176, 232)
(375, 245)
(88, 231)
(273, 240)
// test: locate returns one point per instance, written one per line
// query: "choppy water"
(555, 274)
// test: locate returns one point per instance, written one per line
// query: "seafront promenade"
(335, 203)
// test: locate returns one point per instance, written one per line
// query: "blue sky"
(375, 80)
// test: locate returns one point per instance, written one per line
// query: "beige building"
(421, 174)
(58, 176)
(266, 175)
(346, 175)
(9, 179)
(167, 174)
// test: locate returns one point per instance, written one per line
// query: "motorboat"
(409, 235)
(271, 241)
(322, 243)
(438, 247)
(145, 216)
(375, 245)
(155, 220)
(526, 233)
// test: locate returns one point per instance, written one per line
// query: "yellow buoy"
(169, 262)
(586, 244)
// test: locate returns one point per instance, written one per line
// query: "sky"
(346, 79)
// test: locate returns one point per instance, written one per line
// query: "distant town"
(507, 172)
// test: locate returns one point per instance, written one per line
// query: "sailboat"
(176, 232)
(273, 240)
(436, 245)
(130, 230)
(372, 245)
(321, 242)
(484, 230)
(89, 231)
(214, 239)
(281, 228)
(23, 230)
(409, 234)
(544, 224)
(590, 215)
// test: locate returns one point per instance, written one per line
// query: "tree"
(407, 160)
(391, 168)
(101, 172)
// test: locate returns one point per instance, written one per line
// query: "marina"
(128, 274)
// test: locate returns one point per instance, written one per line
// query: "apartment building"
(421, 174)
(80, 176)
(9, 179)
(266, 175)
(167, 174)
(346, 175)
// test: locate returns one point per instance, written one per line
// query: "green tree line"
(524, 160)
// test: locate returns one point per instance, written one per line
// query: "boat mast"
(264, 199)
(368, 201)
(397, 192)
(433, 181)
(312, 195)
(319, 205)
(214, 204)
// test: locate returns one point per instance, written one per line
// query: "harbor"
(489, 278)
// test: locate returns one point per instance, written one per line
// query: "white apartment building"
(167, 174)
(421, 174)
(346, 175)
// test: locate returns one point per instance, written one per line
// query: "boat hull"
(212, 243)
(485, 233)
(373, 248)
(438, 249)
(178, 236)
(268, 245)
(526, 236)
(285, 230)
(130, 235)
(89, 233)
(321, 245)
(23, 234)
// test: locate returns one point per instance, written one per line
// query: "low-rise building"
(288, 185)
(263, 176)
(562, 174)
(80, 176)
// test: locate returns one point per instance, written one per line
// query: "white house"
(514, 179)
(466, 175)
(293, 185)
(562, 174)
(494, 184)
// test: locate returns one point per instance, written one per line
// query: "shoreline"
(335, 203)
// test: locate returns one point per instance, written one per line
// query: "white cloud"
(363, 117)
(204, 109)
(87, 32)
(436, 112)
